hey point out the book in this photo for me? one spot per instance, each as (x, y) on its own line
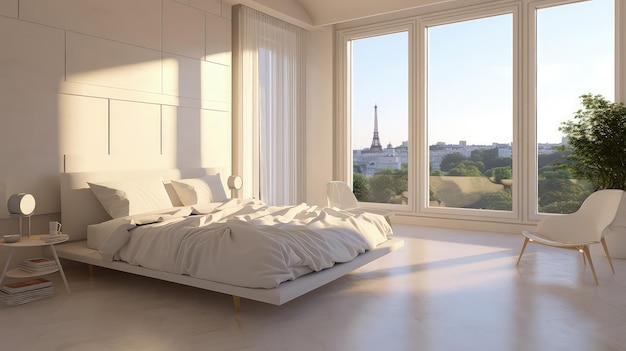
(26, 285)
(26, 296)
(37, 264)
(37, 269)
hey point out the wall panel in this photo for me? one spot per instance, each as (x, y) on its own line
(216, 132)
(181, 135)
(136, 22)
(183, 30)
(9, 8)
(109, 63)
(216, 82)
(218, 40)
(135, 131)
(182, 76)
(196, 137)
(83, 125)
(210, 6)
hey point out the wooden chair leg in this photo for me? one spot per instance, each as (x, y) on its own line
(606, 251)
(588, 254)
(237, 303)
(522, 252)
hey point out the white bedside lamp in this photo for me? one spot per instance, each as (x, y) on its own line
(234, 183)
(21, 205)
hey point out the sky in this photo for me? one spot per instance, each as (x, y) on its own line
(470, 76)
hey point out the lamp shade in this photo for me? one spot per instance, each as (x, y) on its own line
(21, 204)
(235, 182)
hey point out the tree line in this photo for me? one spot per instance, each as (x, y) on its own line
(558, 190)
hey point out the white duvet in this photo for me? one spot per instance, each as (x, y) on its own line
(244, 242)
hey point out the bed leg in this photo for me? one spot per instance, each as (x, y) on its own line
(237, 303)
(90, 270)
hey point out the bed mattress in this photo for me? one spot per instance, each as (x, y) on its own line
(240, 242)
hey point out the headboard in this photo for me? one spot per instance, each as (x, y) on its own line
(80, 207)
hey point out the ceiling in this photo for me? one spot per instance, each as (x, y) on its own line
(324, 12)
(310, 14)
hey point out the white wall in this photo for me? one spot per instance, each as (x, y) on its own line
(319, 114)
(111, 84)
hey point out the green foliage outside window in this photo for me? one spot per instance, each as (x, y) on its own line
(597, 141)
(360, 187)
(558, 191)
(386, 186)
(450, 161)
(501, 200)
(466, 169)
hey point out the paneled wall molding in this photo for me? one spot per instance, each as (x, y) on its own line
(115, 83)
(117, 19)
(71, 88)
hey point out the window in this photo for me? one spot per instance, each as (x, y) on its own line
(488, 88)
(575, 56)
(380, 76)
(470, 113)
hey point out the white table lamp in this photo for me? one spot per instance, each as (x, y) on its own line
(234, 183)
(22, 205)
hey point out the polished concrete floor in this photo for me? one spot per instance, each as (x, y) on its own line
(445, 290)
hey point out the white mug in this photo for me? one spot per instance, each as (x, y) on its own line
(54, 228)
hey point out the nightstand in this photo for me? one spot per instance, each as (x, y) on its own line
(32, 241)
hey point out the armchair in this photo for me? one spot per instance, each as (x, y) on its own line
(578, 230)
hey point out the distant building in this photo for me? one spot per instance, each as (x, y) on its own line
(547, 148)
(440, 150)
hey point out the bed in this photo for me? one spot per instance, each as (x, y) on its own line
(98, 240)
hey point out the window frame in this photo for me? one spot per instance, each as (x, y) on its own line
(456, 17)
(531, 19)
(342, 165)
(525, 207)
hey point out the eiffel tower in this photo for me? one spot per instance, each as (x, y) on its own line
(376, 147)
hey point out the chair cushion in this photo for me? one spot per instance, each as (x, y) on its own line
(543, 240)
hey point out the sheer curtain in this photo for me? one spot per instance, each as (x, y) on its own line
(268, 106)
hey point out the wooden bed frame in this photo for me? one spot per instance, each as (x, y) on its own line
(80, 208)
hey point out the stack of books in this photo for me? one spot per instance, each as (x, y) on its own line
(26, 291)
(37, 265)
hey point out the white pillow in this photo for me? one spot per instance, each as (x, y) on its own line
(129, 197)
(199, 191)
